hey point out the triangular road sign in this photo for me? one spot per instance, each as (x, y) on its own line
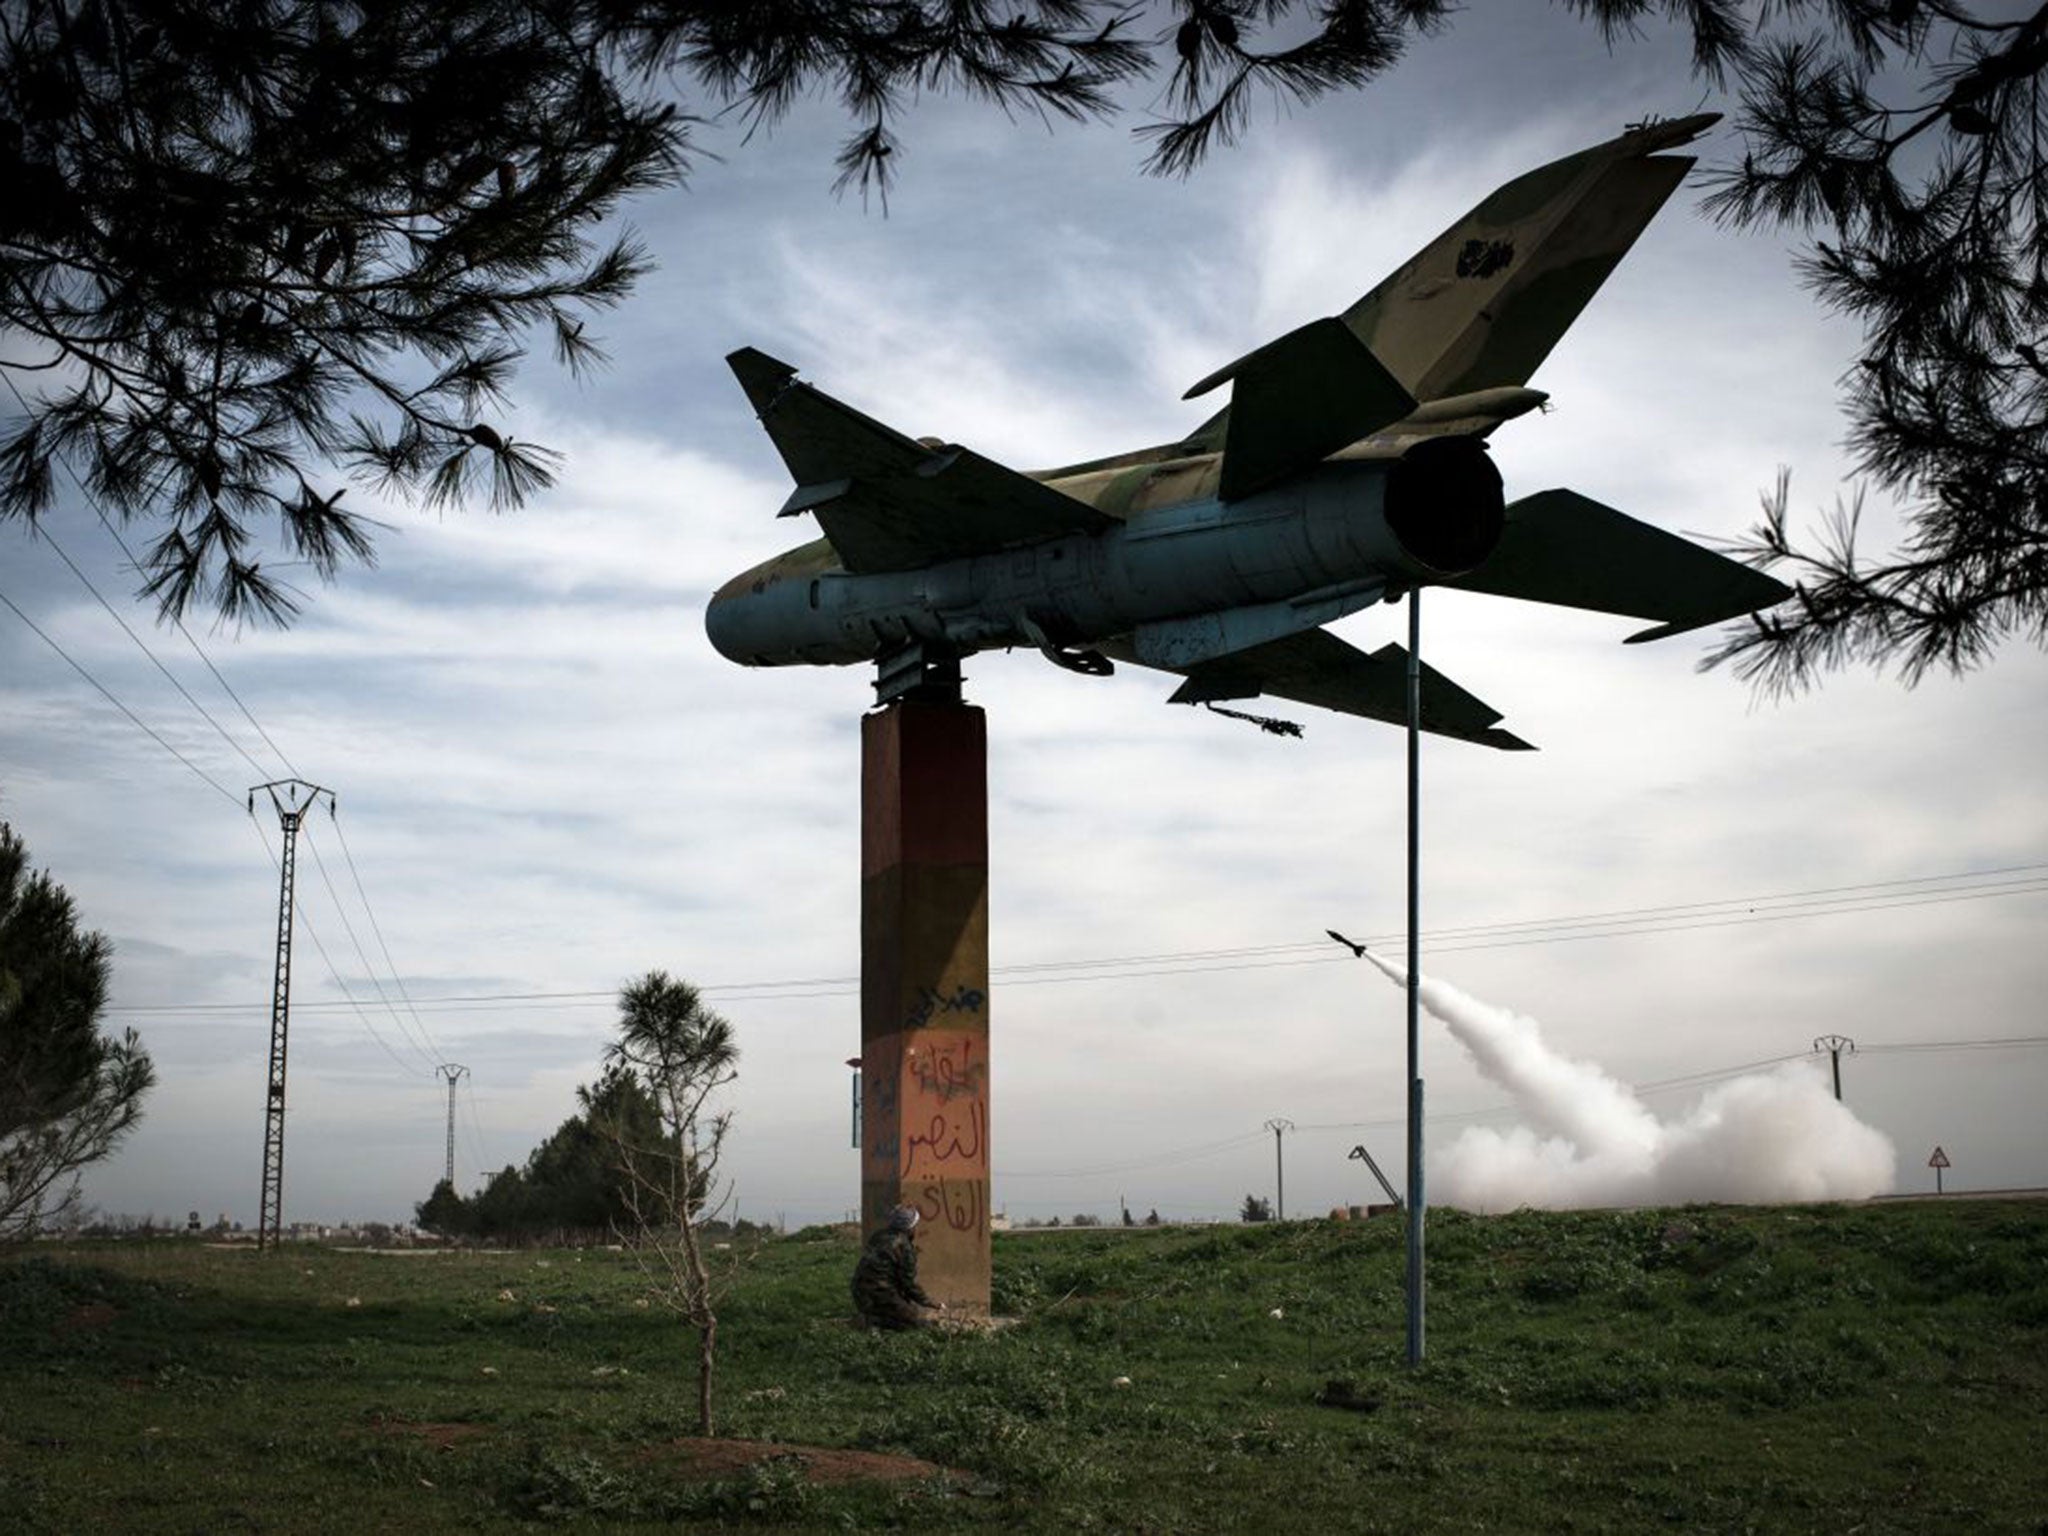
(1939, 1160)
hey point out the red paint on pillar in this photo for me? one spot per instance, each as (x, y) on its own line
(924, 986)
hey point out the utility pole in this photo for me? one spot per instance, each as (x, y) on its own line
(1416, 1198)
(1834, 1045)
(1278, 1126)
(452, 1072)
(291, 798)
(854, 1062)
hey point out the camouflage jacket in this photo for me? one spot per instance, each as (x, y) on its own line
(886, 1277)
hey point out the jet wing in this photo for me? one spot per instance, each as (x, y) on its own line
(889, 502)
(1315, 667)
(1564, 548)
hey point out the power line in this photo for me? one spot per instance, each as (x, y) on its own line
(376, 928)
(2016, 888)
(1205, 1150)
(79, 668)
(1154, 1160)
(2005, 1043)
(1697, 1079)
(327, 960)
(1786, 898)
(62, 554)
(369, 969)
(143, 646)
(105, 522)
(476, 1130)
(1106, 969)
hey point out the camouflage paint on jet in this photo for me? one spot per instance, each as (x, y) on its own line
(1350, 466)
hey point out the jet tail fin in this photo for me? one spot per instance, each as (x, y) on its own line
(1480, 306)
(1563, 548)
(1483, 304)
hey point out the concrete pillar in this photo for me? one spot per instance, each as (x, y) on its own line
(924, 986)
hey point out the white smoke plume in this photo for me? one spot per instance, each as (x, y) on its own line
(1768, 1138)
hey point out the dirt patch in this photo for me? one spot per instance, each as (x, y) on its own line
(442, 1437)
(700, 1460)
(710, 1460)
(86, 1317)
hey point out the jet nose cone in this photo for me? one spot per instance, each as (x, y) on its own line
(725, 621)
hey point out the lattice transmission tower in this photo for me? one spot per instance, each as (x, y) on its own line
(453, 1073)
(292, 798)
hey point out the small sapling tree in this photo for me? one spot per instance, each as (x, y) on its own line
(682, 1054)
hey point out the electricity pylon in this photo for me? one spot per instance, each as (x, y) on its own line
(1834, 1045)
(453, 1073)
(292, 798)
(1277, 1126)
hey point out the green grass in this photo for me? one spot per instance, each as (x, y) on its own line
(1833, 1369)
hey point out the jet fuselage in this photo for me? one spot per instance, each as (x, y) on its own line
(1171, 585)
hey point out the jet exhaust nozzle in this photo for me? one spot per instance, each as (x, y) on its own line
(1444, 504)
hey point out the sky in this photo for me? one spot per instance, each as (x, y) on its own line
(548, 783)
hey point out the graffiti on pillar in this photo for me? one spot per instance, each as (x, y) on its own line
(947, 1139)
(958, 1205)
(962, 1204)
(945, 1105)
(931, 1002)
(944, 1065)
(878, 1091)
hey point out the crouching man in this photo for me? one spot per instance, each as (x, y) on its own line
(885, 1289)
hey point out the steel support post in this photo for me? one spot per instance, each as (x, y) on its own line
(1416, 1271)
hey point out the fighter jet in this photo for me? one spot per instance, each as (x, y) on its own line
(1350, 467)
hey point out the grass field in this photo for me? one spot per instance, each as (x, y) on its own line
(1838, 1369)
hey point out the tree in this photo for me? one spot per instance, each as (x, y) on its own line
(256, 239)
(682, 1054)
(68, 1094)
(1903, 139)
(444, 1212)
(574, 1179)
(1928, 224)
(503, 1207)
(249, 246)
(572, 1182)
(1255, 1209)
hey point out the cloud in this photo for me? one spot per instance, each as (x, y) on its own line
(550, 783)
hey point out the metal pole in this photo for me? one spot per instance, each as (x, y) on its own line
(1276, 1126)
(1393, 1194)
(1834, 1045)
(1415, 1191)
(452, 1072)
(854, 1062)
